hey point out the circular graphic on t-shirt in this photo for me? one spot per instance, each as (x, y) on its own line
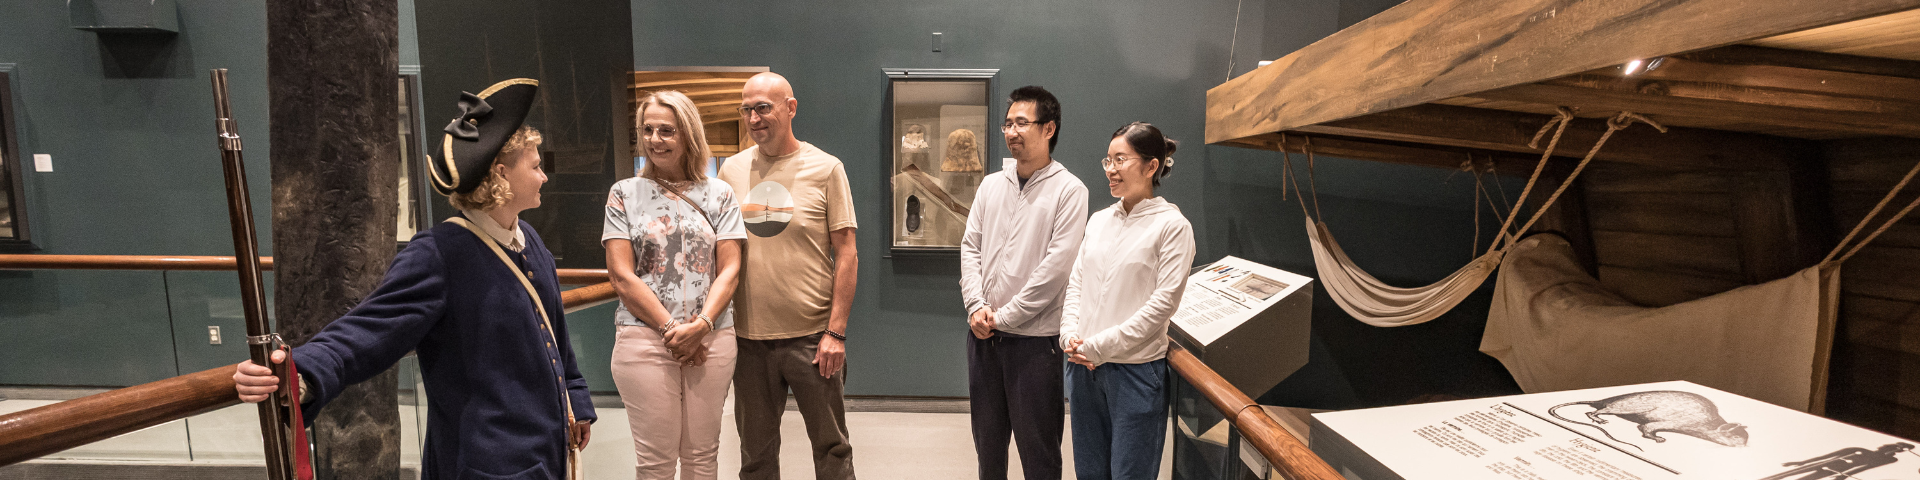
(767, 210)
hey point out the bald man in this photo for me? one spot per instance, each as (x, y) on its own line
(796, 286)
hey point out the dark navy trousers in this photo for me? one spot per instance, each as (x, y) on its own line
(1119, 419)
(1015, 389)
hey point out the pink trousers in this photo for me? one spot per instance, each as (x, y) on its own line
(673, 410)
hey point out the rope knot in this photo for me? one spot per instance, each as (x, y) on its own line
(1561, 117)
(1625, 119)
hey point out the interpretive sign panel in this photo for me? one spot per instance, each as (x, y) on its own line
(1249, 322)
(1228, 293)
(1666, 430)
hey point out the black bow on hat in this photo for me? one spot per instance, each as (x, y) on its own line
(474, 138)
(472, 110)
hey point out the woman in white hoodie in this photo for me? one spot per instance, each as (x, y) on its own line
(1124, 289)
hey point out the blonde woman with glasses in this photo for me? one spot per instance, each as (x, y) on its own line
(673, 238)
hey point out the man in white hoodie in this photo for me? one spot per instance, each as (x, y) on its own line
(1018, 251)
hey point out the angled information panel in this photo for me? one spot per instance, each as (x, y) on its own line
(1249, 322)
(1665, 430)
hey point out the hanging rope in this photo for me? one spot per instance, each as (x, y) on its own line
(1869, 218)
(1287, 177)
(1473, 249)
(1615, 124)
(1312, 181)
(1494, 169)
(1562, 117)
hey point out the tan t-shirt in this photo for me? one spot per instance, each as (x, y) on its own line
(789, 203)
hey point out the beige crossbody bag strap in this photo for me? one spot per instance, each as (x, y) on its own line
(573, 454)
(683, 198)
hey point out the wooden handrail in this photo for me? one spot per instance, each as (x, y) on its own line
(37, 432)
(588, 296)
(122, 262)
(583, 276)
(1287, 454)
(568, 276)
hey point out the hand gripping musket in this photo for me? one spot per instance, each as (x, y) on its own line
(275, 413)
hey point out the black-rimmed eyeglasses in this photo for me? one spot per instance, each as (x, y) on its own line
(761, 109)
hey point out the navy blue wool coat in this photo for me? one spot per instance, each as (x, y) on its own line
(495, 384)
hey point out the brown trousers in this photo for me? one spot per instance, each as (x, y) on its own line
(763, 373)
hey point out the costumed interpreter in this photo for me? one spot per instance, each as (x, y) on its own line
(478, 299)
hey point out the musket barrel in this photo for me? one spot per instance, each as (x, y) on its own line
(273, 413)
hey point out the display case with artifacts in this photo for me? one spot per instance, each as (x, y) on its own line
(14, 235)
(939, 118)
(915, 141)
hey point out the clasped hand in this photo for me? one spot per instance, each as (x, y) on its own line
(982, 323)
(1075, 355)
(686, 343)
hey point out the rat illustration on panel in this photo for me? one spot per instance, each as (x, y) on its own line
(1662, 411)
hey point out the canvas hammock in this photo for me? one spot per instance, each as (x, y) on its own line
(1376, 303)
(1555, 328)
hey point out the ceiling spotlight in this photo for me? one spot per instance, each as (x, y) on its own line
(1640, 66)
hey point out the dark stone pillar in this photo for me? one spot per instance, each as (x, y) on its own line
(332, 72)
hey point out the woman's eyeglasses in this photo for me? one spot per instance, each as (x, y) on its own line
(1115, 163)
(663, 132)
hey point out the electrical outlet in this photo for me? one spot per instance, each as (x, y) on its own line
(213, 334)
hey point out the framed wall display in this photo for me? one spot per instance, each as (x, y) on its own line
(14, 234)
(415, 207)
(940, 134)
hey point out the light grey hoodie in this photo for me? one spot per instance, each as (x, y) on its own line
(1127, 282)
(1020, 245)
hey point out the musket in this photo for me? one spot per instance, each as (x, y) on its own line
(261, 341)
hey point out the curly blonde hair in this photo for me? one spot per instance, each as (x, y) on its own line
(494, 190)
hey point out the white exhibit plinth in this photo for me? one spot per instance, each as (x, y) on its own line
(1248, 322)
(1604, 434)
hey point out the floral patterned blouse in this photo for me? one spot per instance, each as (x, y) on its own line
(673, 248)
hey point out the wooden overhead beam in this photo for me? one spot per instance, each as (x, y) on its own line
(1427, 50)
(1504, 131)
(1782, 78)
(1833, 62)
(1719, 102)
(1385, 151)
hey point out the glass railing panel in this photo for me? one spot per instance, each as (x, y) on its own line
(84, 328)
(1201, 436)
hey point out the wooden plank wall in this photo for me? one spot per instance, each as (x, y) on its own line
(1663, 236)
(1877, 345)
(1668, 235)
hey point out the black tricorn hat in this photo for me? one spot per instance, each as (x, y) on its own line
(485, 123)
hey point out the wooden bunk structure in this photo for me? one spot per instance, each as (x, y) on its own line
(1788, 122)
